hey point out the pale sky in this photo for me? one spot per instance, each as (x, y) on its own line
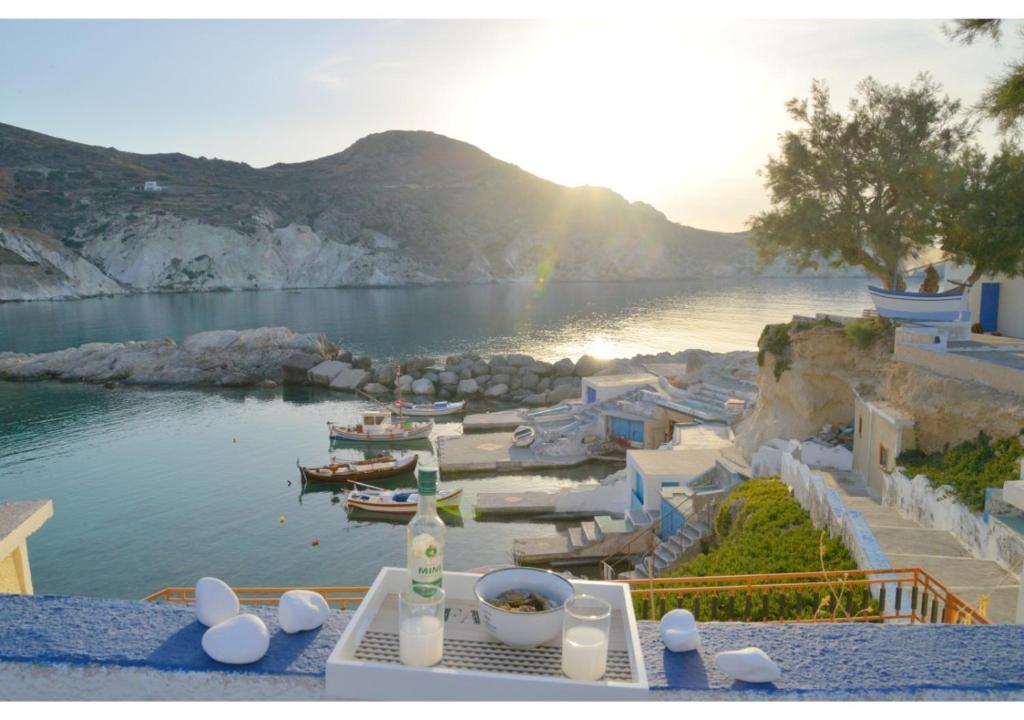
(678, 113)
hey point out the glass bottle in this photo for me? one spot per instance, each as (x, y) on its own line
(425, 538)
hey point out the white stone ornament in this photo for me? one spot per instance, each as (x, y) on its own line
(749, 664)
(300, 610)
(679, 631)
(215, 601)
(239, 640)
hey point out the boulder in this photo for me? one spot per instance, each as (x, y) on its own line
(589, 365)
(299, 610)
(350, 379)
(496, 390)
(482, 380)
(544, 385)
(465, 374)
(502, 378)
(562, 393)
(528, 380)
(536, 399)
(432, 376)
(498, 360)
(467, 387)
(506, 369)
(210, 341)
(564, 367)
(519, 360)
(570, 381)
(404, 382)
(240, 640)
(449, 378)
(215, 601)
(296, 368)
(445, 393)
(416, 364)
(376, 389)
(539, 367)
(387, 373)
(480, 367)
(423, 386)
(452, 361)
(323, 373)
(345, 357)
(238, 379)
(363, 363)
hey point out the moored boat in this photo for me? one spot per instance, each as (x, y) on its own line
(375, 468)
(928, 307)
(378, 426)
(523, 436)
(397, 502)
(435, 409)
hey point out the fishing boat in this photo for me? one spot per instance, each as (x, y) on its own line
(378, 426)
(397, 502)
(435, 409)
(376, 468)
(523, 436)
(935, 307)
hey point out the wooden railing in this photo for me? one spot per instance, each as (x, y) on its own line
(341, 597)
(904, 594)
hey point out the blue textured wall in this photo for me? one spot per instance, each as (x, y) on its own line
(831, 660)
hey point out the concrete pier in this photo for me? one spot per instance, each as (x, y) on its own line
(494, 421)
(494, 452)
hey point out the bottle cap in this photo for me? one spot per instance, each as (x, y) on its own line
(426, 481)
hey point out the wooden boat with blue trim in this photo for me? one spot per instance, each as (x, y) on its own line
(434, 409)
(925, 307)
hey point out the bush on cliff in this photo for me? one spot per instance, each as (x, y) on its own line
(761, 529)
(969, 468)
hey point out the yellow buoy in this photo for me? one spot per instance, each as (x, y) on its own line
(281, 519)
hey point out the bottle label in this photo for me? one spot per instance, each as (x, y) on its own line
(426, 564)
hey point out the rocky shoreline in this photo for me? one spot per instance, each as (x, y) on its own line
(267, 357)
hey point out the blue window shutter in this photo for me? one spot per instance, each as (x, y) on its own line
(591, 395)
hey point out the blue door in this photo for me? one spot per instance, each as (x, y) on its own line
(638, 491)
(591, 395)
(632, 430)
(988, 314)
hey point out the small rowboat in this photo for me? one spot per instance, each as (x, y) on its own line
(523, 436)
(397, 502)
(935, 307)
(379, 427)
(436, 409)
(360, 470)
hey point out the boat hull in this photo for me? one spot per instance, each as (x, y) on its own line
(399, 467)
(404, 508)
(428, 410)
(925, 307)
(420, 432)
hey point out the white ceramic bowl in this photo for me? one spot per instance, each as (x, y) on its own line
(522, 629)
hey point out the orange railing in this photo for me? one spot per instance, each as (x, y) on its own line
(341, 597)
(903, 594)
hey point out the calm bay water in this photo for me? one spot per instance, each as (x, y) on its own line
(159, 487)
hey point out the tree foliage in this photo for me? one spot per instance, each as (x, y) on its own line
(982, 217)
(860, 189)
(1003, 101)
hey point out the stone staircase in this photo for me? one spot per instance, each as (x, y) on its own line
(671, 550)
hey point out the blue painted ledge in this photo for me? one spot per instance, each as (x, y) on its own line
(837, 660)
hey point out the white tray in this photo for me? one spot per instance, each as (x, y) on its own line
(364, 664)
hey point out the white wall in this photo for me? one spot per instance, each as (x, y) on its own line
(818, 455)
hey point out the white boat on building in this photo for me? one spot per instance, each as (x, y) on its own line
(936, 307)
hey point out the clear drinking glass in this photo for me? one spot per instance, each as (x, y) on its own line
(421, 628)
(585, 628)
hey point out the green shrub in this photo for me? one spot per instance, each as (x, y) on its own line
(761, 530)
(969, 468)
(775, 340)
(865, 333)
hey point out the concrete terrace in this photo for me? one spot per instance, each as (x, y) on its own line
(938, 552)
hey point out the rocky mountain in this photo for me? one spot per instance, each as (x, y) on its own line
(395, 208)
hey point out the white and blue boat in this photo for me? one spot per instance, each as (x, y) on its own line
(946, 306)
